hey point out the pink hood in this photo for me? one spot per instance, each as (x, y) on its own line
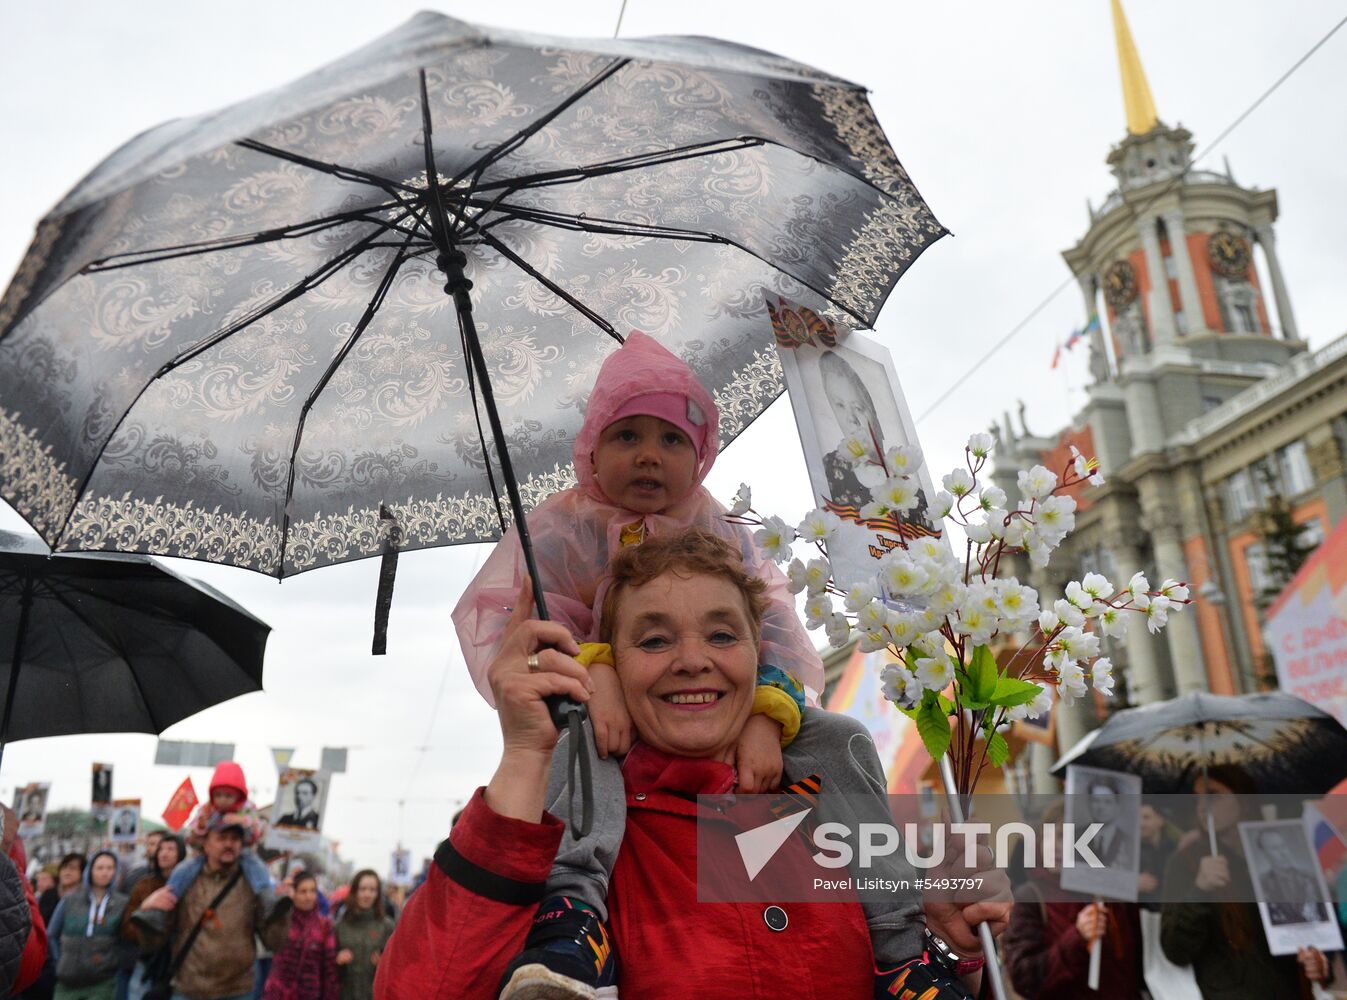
(640, 366)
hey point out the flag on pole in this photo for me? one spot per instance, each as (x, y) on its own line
(1056, 356)
(282, 755)
(181, 805)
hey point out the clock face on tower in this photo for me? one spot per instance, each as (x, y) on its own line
(1229, 254)
(1120, 284)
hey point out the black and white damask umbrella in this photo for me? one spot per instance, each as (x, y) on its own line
(232, 342)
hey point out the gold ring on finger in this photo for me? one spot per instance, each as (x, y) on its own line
(534, 666)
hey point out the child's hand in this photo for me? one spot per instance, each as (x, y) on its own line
(608, 712)
(757, 757)
(345, 956)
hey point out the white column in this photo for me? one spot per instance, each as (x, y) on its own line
(1143, 414)
(1178, 248)
(1160, 307)
(1185, 648)
(1268, 241)
(1099, 366)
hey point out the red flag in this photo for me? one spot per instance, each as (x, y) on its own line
(181, 805)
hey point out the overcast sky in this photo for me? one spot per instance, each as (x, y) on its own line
(1003, 115)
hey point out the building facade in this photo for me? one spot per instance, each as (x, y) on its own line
(1206, 407)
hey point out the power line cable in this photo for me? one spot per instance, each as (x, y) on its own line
(620, 14)
(1169, 186)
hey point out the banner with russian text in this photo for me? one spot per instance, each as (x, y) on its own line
(1306, 628)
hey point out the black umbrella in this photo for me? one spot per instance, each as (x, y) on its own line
(114, 643)
(1284, 744)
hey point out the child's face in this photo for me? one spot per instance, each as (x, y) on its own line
(644, 464)
(224, 799)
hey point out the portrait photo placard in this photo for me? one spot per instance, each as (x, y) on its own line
(400, 867)
(850, 388)
(1113, 800)
(1292, 896)
(297, 814)
(100, 792)
(30, 805)
(124, 821)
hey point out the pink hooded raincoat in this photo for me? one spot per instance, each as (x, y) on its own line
(576, 531)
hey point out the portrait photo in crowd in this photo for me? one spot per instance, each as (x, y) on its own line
(100, 794)
(1293, 898)
(400, 867)
(297, 814)
(124, 821)
(850, 389)
(1113, 800)
(30, 805)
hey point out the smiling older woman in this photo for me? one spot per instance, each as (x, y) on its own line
(683, 618)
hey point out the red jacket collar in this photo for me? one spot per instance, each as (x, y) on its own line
(647, 769)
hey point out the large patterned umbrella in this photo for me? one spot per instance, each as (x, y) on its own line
(1286, 745)
(232, 340)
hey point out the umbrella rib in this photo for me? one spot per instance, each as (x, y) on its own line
(311, 280)
(366, 318)
(334, 169)
(552, 286)
(157, 254)
(509, 145)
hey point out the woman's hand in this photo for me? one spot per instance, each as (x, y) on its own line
(757, 755)
(536, 661)
(1212, 873)
(1147, 883)
(1092, 922)
(1314, 963)
(608, 712)
(345, 956)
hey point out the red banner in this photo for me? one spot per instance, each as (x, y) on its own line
(180, 807)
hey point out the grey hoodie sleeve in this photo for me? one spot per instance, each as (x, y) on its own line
(16, 923)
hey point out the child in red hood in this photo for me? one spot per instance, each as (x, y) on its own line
(649, 438)
(227, 805)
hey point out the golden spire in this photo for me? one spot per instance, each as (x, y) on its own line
(1141, 117)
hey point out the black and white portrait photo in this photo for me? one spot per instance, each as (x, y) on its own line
(124, 821)
(851, 390)
(1290, 887)
(1112, 801)
(297, 815)
(30, 805)
(101, 792)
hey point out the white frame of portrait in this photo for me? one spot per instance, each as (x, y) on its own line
(816, 423)
(296, 838)
(1114, 882)
(115, 809)
(400, 874)
(1287, 939)
(32, 828)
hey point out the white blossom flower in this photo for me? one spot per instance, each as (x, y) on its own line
(857, 450)
(902, 628)
(900, 687)
(819, 525)
(873, 615)
(900, 574)
(869, 475)
(980, 445)
(929, 644)
(1138, 587)
(1017, 602)
(1071, 683)
(991, 498)
(902, 459)
(1113, 622)
(1175, 591)
(818, 609)
(1040, 706)
(1157, 616)
(959, 482)
(860, 595)
(1036, 483)
(1097, 586)
(1048, 622)
(1056, 516)
(1077, 596)
(898, 493)
(1078, 644)
(978, 532)
(1069, 613)
(1016, 533)
(1086, 468)
(1101, 675)
(935, 673)
(797, 576)
(774, 538)
(818, 573)
(976, 622)
(839, 630)
(942, 506)
(743, 501)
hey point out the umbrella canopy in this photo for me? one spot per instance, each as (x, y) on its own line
(1286, 745)
(231, 341)
(114, 643)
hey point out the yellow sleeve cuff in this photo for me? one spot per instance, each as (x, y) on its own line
(595, 652)
(774, 703)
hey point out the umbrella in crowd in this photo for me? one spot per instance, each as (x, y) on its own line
(1286, 745)
(114, 643)
(232, 340)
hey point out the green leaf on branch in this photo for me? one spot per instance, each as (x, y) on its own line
(933, 725)
(1010, 691)
(982, 675)
(998, 750)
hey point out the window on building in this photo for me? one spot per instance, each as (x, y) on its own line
(1210, 403)
(1260, 580)
(1242, 319)
(1293, 464)
(1240, 499)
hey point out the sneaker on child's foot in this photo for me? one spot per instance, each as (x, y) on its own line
(567, 956)
(917, 980)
